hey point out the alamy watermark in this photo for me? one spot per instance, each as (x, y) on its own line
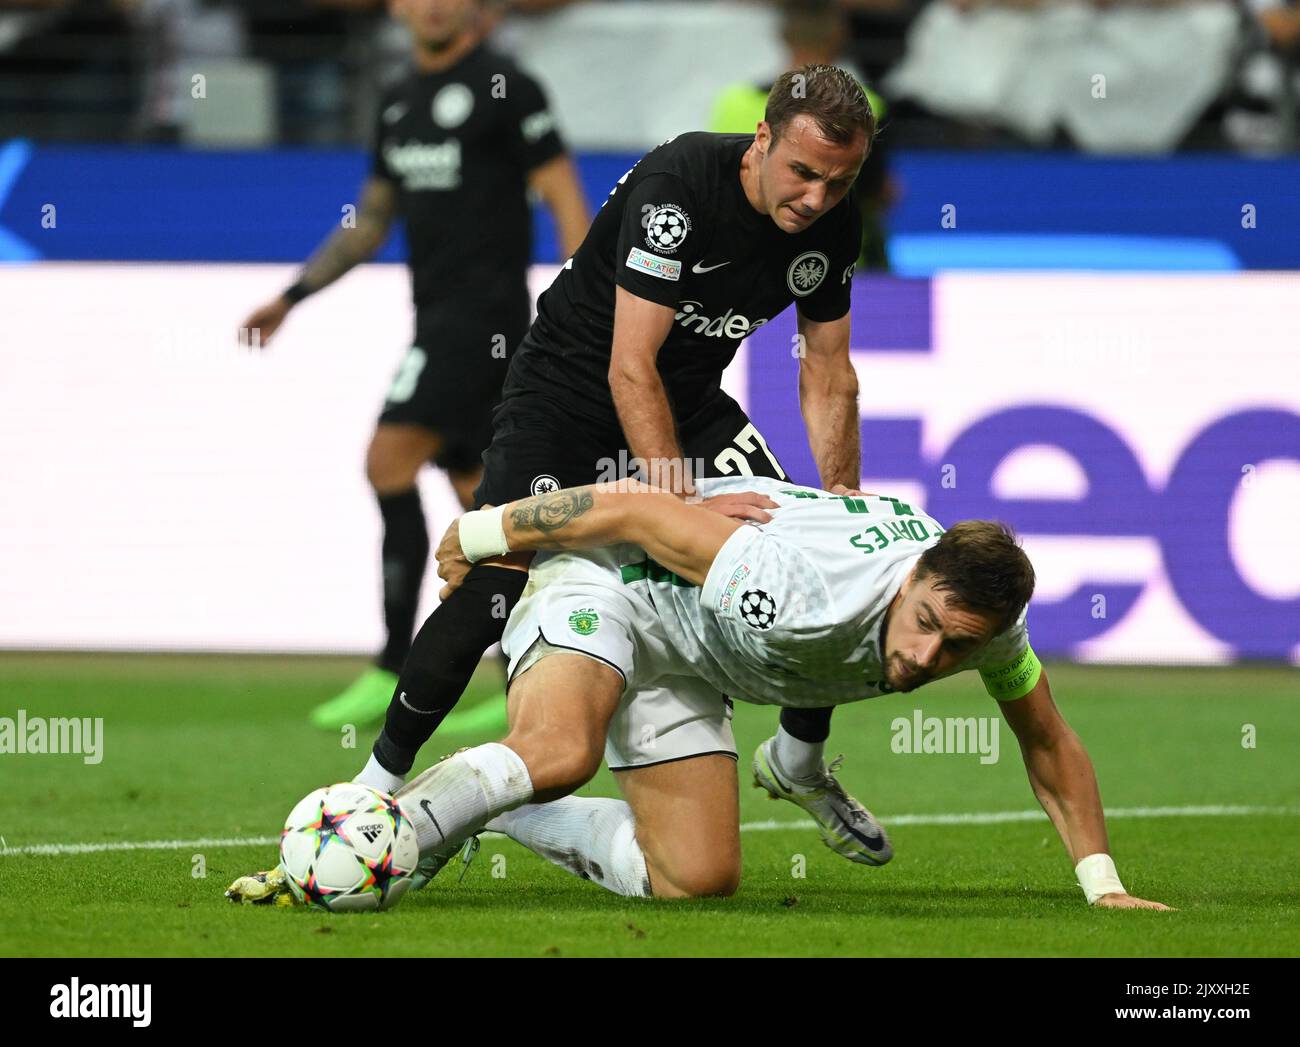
(669, 474)
(75, 1000)
(79, 735)
(951, 734)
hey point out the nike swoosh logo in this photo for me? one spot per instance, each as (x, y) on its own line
(875, 842)
(697, 268)
(427, 808)
(776, 778)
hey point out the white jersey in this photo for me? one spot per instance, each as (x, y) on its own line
(791, 611)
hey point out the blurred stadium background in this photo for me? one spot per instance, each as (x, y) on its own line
(1079, 312)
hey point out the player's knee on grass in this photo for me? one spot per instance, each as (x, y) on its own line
(687, 824)
(679, 872)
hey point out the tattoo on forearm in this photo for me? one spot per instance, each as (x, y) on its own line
(549, 513)
(348, 245)
(338, 254)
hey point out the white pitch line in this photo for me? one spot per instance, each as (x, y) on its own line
(1000, 817)
(54, 849)
(974, 818)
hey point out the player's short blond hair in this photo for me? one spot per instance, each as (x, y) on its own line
(832, 97)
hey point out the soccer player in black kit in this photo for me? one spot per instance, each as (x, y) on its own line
(459, 143)
(706, 239)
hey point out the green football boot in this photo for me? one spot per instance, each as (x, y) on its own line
(364, 701)
(485, 717)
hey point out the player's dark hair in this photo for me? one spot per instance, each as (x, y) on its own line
(831, 96)
(980, 565)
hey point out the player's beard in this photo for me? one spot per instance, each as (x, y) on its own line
(909, 677)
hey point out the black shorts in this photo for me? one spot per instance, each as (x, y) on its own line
(449, 381)
(538, 447)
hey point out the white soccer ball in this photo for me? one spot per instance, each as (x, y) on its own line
(348, 848)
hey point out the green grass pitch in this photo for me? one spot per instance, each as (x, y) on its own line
(219, 748)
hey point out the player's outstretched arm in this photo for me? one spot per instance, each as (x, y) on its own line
(1063, 779)
(683, 537)
(347, 246)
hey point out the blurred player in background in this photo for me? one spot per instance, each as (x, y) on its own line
(460, 143)
(815, 32)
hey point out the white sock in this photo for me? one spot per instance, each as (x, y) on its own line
(591, 837)
(454, 799)
(375, 775)
(799, 760)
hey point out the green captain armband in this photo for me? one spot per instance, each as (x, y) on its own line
(1014, 679)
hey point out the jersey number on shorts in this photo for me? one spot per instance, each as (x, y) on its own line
(749, 440)
(408, 375)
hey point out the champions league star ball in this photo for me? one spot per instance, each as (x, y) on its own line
(667, 228)
(348, 848)
(758, 609)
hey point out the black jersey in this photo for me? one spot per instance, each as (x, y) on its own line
(459, 144)
(679, 230)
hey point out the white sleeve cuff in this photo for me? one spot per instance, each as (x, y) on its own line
(1097, 876)
(483, 534)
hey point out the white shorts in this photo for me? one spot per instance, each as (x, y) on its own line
(577, 603)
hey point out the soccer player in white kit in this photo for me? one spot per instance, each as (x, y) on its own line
(633, 647)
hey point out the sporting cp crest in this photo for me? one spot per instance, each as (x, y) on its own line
(584, 621)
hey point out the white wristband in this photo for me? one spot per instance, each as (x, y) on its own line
(1097, 876)
(483, 534)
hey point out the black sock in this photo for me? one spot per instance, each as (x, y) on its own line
(405, 554)
(808, 725)
(446, 651)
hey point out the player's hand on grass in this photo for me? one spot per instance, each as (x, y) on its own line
(740, 505)
(452, 565)
(266, 320)
(1127, 901)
